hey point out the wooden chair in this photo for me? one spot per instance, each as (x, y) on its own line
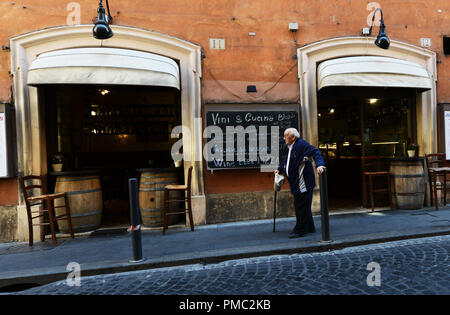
(46, 201)
(371, 168)
(186, 190)
(436, 169)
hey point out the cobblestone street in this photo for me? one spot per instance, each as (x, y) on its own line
(419, 266)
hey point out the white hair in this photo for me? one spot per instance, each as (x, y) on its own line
(293, 131)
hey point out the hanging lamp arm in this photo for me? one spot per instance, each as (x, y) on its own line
(109, 17)
(109, 13)
(373, 19)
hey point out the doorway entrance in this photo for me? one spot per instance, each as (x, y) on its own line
(114, 130)
(358, 121)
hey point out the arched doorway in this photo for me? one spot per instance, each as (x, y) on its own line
(311, 56)
(32, 155)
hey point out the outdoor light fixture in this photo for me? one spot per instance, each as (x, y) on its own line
(382, 40)
(101, 28)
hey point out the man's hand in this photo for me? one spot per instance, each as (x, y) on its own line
(320, 169)
(276, 171)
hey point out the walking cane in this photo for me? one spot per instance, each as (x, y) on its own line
(279, 181)
(274, 209)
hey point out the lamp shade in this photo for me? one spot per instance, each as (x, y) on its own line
(102, 31)
(382, 40)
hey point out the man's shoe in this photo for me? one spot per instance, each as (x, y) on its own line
(296, 235)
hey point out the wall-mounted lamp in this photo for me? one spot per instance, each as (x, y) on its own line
(101, 28)
(382, 40)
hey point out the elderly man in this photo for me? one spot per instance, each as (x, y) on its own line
(300, 174)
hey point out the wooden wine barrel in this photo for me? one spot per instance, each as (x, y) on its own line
(408, 182)
(151, 195)
(85, 200)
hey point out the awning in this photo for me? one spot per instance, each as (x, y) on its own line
(103, 66)
(371, 71)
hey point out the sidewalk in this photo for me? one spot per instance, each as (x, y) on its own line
(100, 254)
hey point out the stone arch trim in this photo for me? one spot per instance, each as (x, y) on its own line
(25, 48)
(311, 55)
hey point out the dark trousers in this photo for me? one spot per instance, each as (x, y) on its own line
(302, 203)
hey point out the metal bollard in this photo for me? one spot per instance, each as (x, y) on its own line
(135, 217)
(324, 207)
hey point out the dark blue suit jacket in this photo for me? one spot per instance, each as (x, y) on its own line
(301, 149)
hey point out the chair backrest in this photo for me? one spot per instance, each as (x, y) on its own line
(27, 184)
(435, 160)
(370, 163)
(189, 178)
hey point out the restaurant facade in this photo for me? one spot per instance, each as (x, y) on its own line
(175, 73)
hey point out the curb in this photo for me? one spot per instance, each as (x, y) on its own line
(46, 276)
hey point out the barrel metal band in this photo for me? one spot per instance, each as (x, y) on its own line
(85, 214)
(158, 183)
(151, 209)
(152, 189)
(153, 223)
(407, 175)
(159, 217)
(82, 191)
(409, 194)
(75, 179)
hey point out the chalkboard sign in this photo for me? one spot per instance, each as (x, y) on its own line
(245, 138)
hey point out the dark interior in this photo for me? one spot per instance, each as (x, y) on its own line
(113, 129)
(355, 122)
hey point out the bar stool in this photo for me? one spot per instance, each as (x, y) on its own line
(436, 169)
(48, 207)
(186, 190)
(374, 162)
